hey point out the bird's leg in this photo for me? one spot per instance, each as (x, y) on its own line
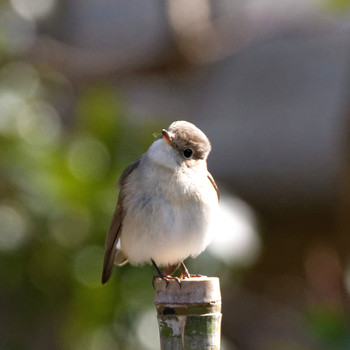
(165, 278)
(185, 273)
(171, 269)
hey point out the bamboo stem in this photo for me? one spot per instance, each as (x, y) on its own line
(189, 317)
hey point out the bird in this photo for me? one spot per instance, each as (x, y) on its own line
(166, 207)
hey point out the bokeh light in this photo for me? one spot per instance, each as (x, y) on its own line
(236, 239)
(88, 265)
(39, 124)
(33, 10)
(101, 339)
(13, 230)
(20, 77)
(88, 159)
(10, 104)
(17, 34)
(69, 228)
(147, 329)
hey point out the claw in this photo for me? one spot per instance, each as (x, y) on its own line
(177, 280)
(165, 279)
(162, 277)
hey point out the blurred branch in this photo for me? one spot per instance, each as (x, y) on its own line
(81, 63)
(198, 38)
(203, 38)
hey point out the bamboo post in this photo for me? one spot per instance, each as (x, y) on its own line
(189, 317)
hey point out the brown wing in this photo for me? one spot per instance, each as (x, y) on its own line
(116, 225)
(211, 179)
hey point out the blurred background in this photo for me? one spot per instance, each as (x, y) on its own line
(85, 84)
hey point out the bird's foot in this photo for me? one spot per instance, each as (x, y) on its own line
(166, 279)
(161, 275)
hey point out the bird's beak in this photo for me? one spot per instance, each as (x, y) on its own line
(167, 138)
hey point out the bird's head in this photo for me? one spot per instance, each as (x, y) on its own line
(182, 144)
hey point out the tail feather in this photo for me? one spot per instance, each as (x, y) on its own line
(107, 271)
(108, 264)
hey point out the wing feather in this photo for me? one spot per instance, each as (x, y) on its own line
(116, 225)
(211, 179)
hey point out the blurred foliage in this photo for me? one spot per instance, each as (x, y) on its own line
(58, 191)
(330, 324)
(337, 5)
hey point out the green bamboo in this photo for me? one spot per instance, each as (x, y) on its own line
(189, 317)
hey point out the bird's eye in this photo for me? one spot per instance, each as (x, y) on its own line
(188, 153)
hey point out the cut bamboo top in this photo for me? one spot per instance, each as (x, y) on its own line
(193, 290)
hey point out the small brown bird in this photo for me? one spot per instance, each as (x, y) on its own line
(166, 204)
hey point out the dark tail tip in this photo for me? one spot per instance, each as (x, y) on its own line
(107, 266)
(105, 276)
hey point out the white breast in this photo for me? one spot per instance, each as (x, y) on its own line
(168, 214)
